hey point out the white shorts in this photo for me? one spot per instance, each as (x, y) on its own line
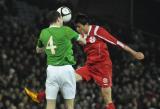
(60, 78)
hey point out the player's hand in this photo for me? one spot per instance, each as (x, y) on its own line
(138, 55)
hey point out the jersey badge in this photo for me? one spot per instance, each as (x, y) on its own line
(105, 81)
(92, 39)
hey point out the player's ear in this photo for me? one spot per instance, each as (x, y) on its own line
(58, 20)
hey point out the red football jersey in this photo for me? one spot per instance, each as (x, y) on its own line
(96, 48)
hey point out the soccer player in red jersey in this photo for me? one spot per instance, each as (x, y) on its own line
(98, 65)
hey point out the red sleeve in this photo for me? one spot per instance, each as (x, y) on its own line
(106, 36)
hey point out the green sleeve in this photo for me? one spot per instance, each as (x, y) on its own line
(39, 42)
(71, 34)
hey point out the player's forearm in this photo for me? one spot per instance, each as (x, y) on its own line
(135, 54)
(129, 50)
(39, 50)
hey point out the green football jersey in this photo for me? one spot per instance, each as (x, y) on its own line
(58, 45)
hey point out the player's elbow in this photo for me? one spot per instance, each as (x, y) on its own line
(39, 50)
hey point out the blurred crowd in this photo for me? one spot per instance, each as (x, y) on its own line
(136, 85)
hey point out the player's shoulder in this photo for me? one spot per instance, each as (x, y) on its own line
(99, 28)
(66, 27)
(44, 30)
(96, 28)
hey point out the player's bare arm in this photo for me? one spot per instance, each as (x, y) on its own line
(135, 54)
(39, 50)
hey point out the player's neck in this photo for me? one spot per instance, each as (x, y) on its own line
(55, 25)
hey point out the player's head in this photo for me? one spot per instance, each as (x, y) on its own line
(54, 17)
(82, 23)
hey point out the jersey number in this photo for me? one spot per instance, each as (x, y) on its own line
(50, 45)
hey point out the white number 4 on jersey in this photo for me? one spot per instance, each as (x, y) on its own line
(50, 45)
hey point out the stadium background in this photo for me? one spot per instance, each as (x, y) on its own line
(135, 22)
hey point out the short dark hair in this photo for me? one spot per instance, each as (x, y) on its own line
(52, 16)
(81, 18)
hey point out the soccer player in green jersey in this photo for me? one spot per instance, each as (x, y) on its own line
(55, 41)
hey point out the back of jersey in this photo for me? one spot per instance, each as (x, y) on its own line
(57, 44)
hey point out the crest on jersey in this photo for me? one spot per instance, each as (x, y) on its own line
(105, 81)
(92, 39)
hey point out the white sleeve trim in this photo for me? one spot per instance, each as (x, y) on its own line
(120, 44)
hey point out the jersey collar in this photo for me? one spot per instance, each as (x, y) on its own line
(54, 26)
